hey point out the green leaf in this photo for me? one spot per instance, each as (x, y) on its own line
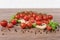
(34, 25)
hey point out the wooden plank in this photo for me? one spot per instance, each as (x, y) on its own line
(12, 35)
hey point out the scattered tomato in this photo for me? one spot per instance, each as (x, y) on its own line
(50, 16)
(17, 16)
(38, 18)
(10, 25)
(38, 22)
(23, 25)
(29, 25)
(26, 18)
(49, 28)
(3, 23)
(45, 17)
(32, 19)
(14, 21)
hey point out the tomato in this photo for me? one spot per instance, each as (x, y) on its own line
(17, 16)
(47, 22)
(3, 23)
(23, 25)
(38, 18)
(26, 18)
(33, 15)
(45, 17)
(14, 21)
(29, 24)
(49, 28)
(50, 16)
(32, 19)
(38, 22)
(22, 15)
(10, 25)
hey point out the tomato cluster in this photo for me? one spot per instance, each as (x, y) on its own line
(29, 17)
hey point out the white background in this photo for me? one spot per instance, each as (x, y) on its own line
(29, 3)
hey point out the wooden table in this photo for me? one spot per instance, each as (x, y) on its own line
(19, 35)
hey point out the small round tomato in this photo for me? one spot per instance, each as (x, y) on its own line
(26, 18)
(50, 17)
(49, 28)
(23, 25)
(45, 17)
(38, 22)
(10, 25)
(32, 19)
(14, 21)
(17, 16)
(29, 25)
(33, 15)
(46, 22)
(38, 18)
(3, 23)
(22, 15)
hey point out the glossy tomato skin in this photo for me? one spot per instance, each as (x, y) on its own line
(26, 18)
(32, 20)
(29, 25)
(17, 16)
(23, 25)
(38, 18)
(10, 25)
(22, 15)
(33, 15)
(45, 17)
(38, 22)
(46, 22)
(3, 23)
(49, 28)
(14, 21)
(50, 16)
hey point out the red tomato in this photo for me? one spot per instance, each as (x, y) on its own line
(47, 22)
(3, 23)
(38, 18)
(45, 17)
(38, 22)
(29, 24)
(50, 16)
(33, 15)
(49, 28)
(26, 18)
(23, 25)
(10, 25)
(32, 19)
(22, 15)
(14, 21)
(17, 16)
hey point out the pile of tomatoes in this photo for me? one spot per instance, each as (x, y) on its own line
(29, 19)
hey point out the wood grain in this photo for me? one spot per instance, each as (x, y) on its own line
(12, 35)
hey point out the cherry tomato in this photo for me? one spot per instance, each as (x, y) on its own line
(38, 18)
(49, 28)
(17, 16)
(14, 21)
(38, 22)
(29, 25)
(22, 15)
(10, 25)
(33, 15)
(32, 19)
(3, 23)
(26, 18)
(23, 25)
(45, 17)
(47, 22)
(50, 16)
